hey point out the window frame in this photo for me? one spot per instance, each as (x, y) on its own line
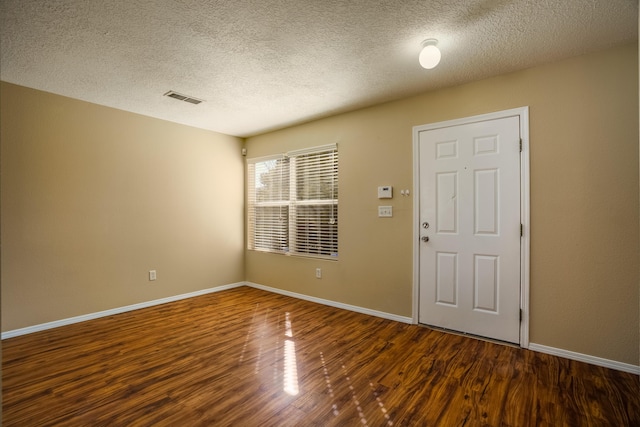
(312, 228)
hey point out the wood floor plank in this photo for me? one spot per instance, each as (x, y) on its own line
(245, 357)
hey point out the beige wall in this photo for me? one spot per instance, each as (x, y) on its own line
(584, 199)
(93, 198)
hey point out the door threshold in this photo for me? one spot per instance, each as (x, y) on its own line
(466, 334)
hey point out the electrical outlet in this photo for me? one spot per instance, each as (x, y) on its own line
(152, 275)
(318, 273)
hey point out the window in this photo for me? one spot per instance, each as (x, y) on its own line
(293, 203)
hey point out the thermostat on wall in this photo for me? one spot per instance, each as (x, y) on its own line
(385, 192)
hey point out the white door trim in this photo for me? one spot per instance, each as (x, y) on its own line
(523, 114)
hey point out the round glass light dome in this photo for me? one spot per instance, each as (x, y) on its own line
(429, 57)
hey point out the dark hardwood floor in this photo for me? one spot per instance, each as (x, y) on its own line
(245, 357)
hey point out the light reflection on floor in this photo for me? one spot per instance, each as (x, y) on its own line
(356, 402)
(327, 380)
(246, 340)
(277, 356)
(381, 404)
(290, 366)
(263, 331)
(282, 357)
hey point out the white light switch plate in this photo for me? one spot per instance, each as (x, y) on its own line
(385, 211)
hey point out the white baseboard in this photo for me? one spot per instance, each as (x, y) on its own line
(357, 309)
(598, 361)
(91, 316)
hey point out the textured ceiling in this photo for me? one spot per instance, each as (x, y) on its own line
(262, 65)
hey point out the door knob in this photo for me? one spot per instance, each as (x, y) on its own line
(425, 238)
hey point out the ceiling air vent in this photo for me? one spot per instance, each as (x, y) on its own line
(181, 97)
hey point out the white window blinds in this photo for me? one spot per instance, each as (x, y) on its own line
(293, 203)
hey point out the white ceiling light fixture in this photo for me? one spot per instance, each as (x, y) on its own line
(430, 54)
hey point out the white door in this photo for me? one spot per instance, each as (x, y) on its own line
(469, 209)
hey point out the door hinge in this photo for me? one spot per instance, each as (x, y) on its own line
(521, 145)
(521, 315)
(521, 230)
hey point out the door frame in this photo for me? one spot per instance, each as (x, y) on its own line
(523, 114)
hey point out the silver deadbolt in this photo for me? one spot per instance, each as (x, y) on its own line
(425, 225)
(425, 238)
